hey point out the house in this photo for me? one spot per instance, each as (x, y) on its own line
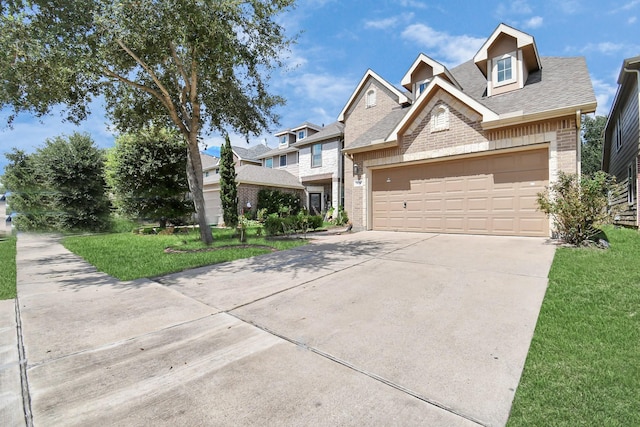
(313, 154)
(466, 149)
(621, 148)
(250, 179)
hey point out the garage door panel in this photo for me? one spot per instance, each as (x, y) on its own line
(493, 194)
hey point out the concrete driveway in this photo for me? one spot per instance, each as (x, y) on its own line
(370, 328)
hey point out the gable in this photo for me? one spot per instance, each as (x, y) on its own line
(370, 75)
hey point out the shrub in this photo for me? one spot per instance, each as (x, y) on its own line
(577, 206)
(342, 218)
(315, 222)
(273, 225)
(275, 201)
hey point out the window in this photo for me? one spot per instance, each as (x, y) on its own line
(268, 163)
(302, 134)
(371, 98)
(421, 87)
(504, 69)
(440, 119)
(206, 174)
(284, 139)
(631, 185)
(618, 134)
(316, 155)
(283, 160)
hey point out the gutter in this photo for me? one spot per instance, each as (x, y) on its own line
(518, 118)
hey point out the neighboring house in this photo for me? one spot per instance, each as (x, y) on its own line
(621, 150)
(250, 179)
(313, 155)
(465, 150)
(5, 226)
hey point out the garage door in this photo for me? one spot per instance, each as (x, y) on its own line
(481, 195)
(212, 206)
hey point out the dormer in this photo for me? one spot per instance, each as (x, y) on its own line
(506, 59)
(304, 130)
(422, 72)
(285, 138)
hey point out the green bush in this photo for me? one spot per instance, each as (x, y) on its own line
(278, 202)
(315, 222)
(577, 206)
(273, 225)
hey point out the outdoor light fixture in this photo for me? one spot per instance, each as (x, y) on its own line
(356, 170)
(388, 179)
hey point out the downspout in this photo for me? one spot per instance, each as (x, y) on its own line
(579, 143)
(630, 70)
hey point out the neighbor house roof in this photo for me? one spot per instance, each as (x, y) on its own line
(208, 161)
(251, 153)
(258, 175)
(333, 130)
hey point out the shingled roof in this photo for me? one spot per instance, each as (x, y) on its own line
(563, 82)
(258, 175)
(251, 153)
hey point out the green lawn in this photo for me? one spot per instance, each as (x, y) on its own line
(129, 256)
(8, 267)
(583, 367)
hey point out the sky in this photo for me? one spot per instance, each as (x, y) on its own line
(338, 40)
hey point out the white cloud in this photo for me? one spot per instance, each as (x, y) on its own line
(382, 24)
(568, 6)
(605, 92)
(607, 48)
(390, 22)
(632, 20)
(533, 22)
(413, 3)
(517, 7)
(451, 50)
(625, 7)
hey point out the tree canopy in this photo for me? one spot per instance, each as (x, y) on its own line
(59, 187)
(592, 140)
(191, 64)
(145, 171)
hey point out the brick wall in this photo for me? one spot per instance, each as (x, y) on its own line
(359, 118)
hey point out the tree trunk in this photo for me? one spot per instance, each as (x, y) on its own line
(194, 176)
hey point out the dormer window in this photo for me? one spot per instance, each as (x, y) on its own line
(371, 98)
(504, 69)
(302, 134)
(284, 139)
(421, 87)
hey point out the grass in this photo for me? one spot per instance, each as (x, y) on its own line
(583, 367)
(129, 256)
(8, 267)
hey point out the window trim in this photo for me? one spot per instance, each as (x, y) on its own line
(370, 97)
(302, 132)
(618, 134)
(440, 111)
(418, 84)
(631, 187)
(514, 64)
(313, 155)
(282, 156)
(268, 163)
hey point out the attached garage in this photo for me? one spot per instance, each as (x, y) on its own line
(489, 194)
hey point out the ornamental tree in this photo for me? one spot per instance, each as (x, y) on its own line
(228, 185)
(191, 64)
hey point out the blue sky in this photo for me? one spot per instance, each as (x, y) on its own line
(339, 40)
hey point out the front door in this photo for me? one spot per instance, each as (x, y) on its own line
(315, 203)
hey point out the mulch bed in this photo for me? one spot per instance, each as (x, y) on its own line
(217, 248)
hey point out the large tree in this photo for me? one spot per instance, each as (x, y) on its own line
(228, 185)
(592, 140)
(145, 170)
(61, 186)
(191, 64)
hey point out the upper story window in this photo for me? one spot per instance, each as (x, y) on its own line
(268, 163)
(302, 134)
(440, 119)
(283, 160)
(284, 139)
(371, 98)
(316, 155)
(504, 69)
(618, 134)
(421, 87)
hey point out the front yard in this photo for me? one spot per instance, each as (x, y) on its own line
(583, 367)
(8, 267)
(129, 256)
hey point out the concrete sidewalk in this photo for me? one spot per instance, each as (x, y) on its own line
(367, 328)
